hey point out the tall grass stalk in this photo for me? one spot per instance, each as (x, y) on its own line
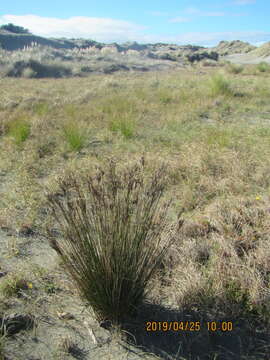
(115, 235)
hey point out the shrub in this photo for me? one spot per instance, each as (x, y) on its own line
(29, 73)
(210, 62)
(74, 135)
(40, 70)
(198, 56)
(115, 67)
(19, 129)
(114, 235)
(86, 69)
(14, 29)
(234, 68)
(263, 66)
(220, 86)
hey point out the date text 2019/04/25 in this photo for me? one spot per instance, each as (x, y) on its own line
(154, 326)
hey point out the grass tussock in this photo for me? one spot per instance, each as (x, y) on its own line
(115, 235)
(234, 68)
(74, 135)
(219, 85)
(263, 67)
(123, 125)
(19, 129)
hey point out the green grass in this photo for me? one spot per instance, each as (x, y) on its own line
(19, 129)
(123, 125)
(75, 136)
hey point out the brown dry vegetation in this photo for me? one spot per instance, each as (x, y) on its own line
(213, 132)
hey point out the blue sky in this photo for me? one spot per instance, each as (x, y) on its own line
(182, 22)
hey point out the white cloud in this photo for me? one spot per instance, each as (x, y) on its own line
(100, 29)
(179, 19)
(110, 30)
(244, 2)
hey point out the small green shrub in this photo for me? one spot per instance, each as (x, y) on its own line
(220, 86)
(19, 129)
(115, 235)
(234, 68)
(263, 66)
(74, 135)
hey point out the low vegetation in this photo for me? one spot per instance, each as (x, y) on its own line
(234, 68)
(219, 85)
(263, 67)
(210, 125)
(74, 135)
(13, 284)
(113, 227)
(14, 29)
(19, 129)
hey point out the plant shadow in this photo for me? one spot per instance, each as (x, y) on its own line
(245, 341)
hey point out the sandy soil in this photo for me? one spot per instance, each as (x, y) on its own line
(246, 59)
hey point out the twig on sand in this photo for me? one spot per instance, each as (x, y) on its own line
(91, 333)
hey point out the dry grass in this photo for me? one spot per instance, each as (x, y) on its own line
(214, 135)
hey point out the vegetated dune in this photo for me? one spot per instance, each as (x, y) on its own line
(35, 56)
(263, 50)
(254, 56)
(233, 47)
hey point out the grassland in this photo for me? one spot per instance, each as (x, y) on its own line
(211, 126)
